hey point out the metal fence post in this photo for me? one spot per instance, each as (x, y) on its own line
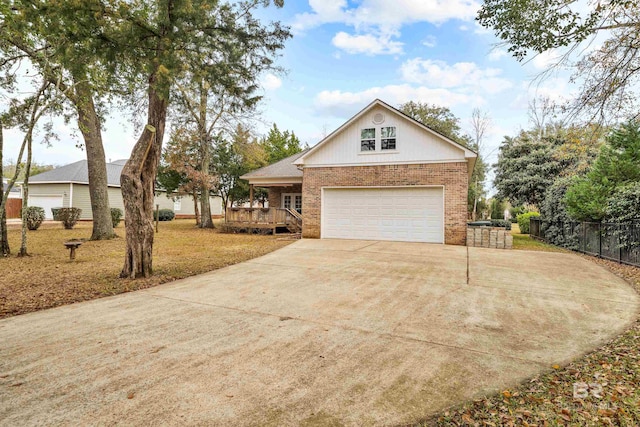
(600, 240)
(620, 243)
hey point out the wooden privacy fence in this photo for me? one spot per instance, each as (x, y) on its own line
(619, 241)
(13, 208)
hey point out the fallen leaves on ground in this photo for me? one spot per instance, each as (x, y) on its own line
(48, 278)
(608, 386)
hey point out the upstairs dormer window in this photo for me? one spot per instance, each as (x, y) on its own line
(378, 139)
(388, 135)
(368, 139)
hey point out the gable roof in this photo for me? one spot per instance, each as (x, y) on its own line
(78, 173)
(284, 168)
(469, 154)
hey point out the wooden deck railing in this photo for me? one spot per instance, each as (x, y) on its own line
(263, 218)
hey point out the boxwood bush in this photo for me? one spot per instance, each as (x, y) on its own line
(164, 215)
(68, 216)
(116, 216)
(33, 216)
(523, 221)
(501, 223)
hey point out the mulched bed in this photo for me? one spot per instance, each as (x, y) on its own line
(607, 385)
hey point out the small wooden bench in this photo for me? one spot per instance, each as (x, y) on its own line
(72, 245)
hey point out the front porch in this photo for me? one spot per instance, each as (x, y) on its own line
(262, 220)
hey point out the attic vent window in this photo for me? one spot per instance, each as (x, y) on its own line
(378, 118)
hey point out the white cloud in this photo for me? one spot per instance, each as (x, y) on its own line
(545, 59)
(384, 14)
(341, 104)
(497, 54)
(555, 89)
(271, 82)
(430, 41)
(368, 44)
(459, 75)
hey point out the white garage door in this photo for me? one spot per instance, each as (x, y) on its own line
(46, 203)
(402, 214)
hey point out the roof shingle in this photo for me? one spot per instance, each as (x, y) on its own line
(78, 172)
(280, 169)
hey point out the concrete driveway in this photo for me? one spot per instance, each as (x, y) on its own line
(318, 333)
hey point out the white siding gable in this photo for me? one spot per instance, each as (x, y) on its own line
(414, 144)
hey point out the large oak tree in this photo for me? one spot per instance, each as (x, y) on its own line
(153, 41)
(57, 40)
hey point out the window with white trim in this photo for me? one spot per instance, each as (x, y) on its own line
(177, 204)
(388, 138)
(292, 201)
(368, 139)
(378, 139)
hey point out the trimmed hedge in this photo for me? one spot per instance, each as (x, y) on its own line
(501, 223)
(68, 216)
(164, 215)
(523, 221)
(33, 216)
(116, 216)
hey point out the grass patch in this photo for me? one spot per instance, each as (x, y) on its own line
(612, 371)
(48, 278)
(526, 243)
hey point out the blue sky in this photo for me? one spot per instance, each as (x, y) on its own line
(345, 53)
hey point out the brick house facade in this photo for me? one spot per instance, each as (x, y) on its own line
(452, 176)
(380, 176)
(275, 194)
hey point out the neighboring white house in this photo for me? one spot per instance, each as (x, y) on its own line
(68, 186)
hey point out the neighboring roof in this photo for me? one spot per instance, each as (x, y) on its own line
(78, 174)
(467, 152)
(280, 169)
(14, 189)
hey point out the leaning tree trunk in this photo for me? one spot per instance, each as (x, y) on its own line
(25, 194)
(137, 184)
(5, 249)
(89, 125)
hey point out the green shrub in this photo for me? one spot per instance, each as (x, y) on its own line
(116, 216)
(55, 211)
(556, 226)
(164, 215)
(624, 203)
(515, 211)
(497, 208)
(501, 223)
(68, 216)
(586, 199)
(33, 216)
(523, 221)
